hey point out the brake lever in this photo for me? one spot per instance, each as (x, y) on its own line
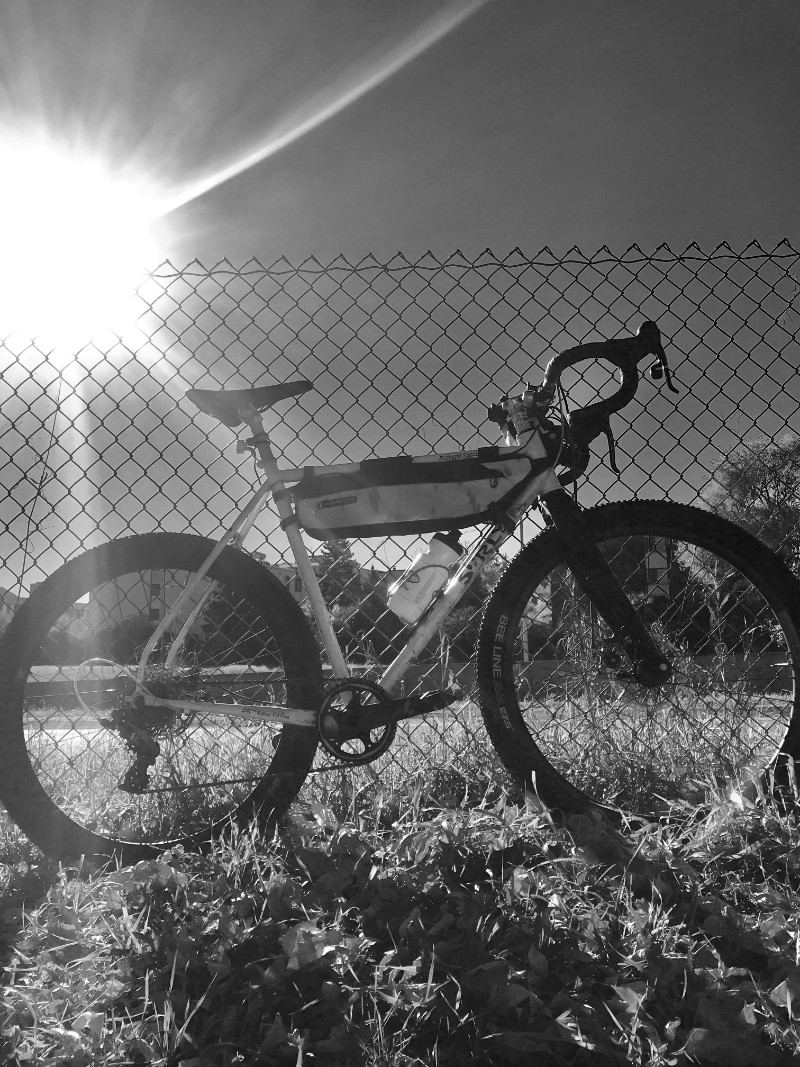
(612, 451)
(660, 369)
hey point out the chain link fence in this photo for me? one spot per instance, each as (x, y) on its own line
(404, 358)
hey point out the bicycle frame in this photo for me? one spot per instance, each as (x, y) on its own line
(468, 569)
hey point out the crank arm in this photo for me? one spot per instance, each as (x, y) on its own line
(360, 721)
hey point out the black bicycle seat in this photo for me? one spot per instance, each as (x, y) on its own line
(225, 404)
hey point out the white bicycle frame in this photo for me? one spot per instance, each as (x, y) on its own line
(472, 564)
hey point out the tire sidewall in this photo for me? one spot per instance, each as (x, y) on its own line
(22, 794)
(494, 657)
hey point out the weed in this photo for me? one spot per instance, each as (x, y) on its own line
(480, 933)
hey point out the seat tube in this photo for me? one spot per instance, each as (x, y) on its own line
(297, 545)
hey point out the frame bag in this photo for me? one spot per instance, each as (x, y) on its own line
(408, 495)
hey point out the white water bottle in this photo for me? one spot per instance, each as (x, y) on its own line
(410, 595)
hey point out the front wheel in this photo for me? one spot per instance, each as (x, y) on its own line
(558, 695)
(83, 770)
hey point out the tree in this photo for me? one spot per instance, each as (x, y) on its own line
(358, 610)
(230, 631)
(758, 486)
(673, 601)
(370, 625)
(338, 575)
(123, 640)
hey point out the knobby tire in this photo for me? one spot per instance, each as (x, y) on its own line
(60, 768)
(561, 708)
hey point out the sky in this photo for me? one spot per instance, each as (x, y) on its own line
(500, 124)
(555, 124)
(319, 128)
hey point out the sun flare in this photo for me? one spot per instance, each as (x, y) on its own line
(74, 241)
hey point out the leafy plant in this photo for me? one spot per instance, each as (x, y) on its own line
(488, 934)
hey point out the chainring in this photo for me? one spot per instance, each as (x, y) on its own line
(344, 705)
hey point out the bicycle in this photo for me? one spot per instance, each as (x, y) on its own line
(183, 687)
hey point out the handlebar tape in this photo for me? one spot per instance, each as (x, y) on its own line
(624, 354)
(588, 423)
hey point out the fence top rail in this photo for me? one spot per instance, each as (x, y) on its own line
(515, 259)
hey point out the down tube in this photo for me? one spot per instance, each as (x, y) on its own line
(469, 569)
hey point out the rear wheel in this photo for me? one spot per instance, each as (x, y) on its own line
(558, 696)
(83, 771)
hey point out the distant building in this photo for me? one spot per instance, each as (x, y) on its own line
(9, 602)
(286, 574)
(147, 593)
(658, 561)
(73, 621)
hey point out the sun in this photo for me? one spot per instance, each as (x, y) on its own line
(75, 239)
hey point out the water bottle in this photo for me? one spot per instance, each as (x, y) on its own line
(410, 595)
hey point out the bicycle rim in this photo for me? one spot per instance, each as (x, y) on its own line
(97, 769)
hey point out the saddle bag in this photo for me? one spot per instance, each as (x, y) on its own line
(407, 494)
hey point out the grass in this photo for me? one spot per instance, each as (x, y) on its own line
(624, 745)
(411, 913)
(639, 757)
(81, 770)
(643, 756)
(445, 759)
(481, 933)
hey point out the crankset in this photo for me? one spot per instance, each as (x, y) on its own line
(352, 723)
(357, 720)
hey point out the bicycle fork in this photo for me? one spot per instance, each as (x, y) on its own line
(596, 579)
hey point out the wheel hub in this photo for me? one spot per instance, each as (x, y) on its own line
(652, 674)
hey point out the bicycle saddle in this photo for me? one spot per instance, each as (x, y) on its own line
(225, 404)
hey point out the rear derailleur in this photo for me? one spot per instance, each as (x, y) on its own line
(131, 723)
(138, 723)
